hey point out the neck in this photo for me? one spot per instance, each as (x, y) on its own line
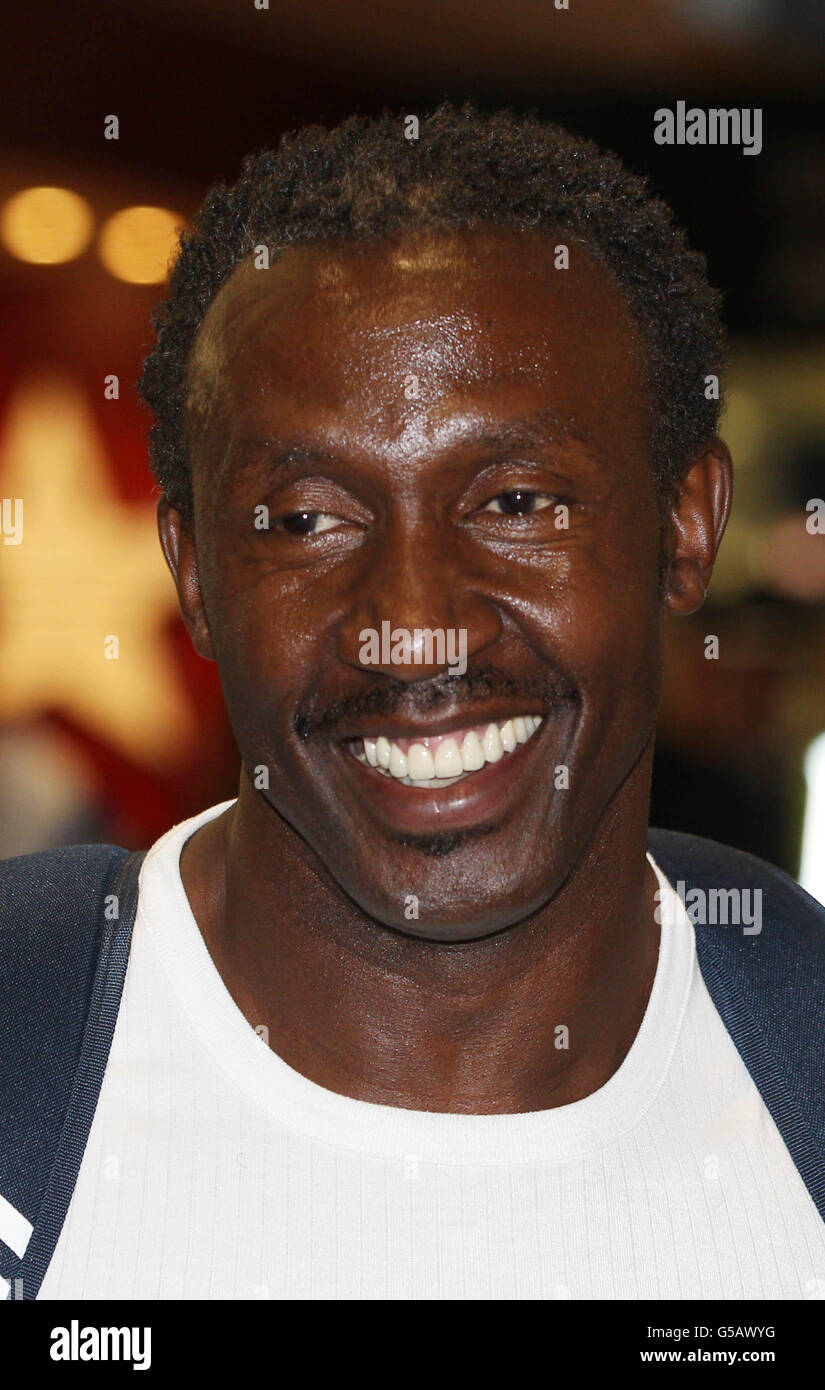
(540, 1015)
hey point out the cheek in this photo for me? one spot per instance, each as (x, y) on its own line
(263, 647)
(590, 588)
(615, 628)
(595, 612)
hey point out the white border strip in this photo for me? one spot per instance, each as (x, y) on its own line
(812, 862)
(15, 1230)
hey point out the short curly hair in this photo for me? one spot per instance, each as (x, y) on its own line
(364, 179)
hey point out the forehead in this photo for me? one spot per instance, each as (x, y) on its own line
(364, 334)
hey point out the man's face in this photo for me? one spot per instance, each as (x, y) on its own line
(449, 433)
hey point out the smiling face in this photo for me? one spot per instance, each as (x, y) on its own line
(449, 434)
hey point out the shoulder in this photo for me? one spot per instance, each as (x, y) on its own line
(760, 944)
(34, 879)
(60, 980)
(50, 905)
(51, 893)
(733, 889)
(53, 929)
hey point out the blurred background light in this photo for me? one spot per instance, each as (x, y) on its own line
(46, 225)
(137, 244)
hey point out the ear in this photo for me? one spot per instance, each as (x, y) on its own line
(695, 525)
(178, 545)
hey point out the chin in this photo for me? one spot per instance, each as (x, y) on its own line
(457, 902)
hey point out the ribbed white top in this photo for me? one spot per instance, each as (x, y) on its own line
(214, 1169)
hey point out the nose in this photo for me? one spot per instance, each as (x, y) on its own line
(416, 610)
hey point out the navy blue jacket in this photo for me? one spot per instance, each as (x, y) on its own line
(66, 918)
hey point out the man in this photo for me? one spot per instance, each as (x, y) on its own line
(418, 1015)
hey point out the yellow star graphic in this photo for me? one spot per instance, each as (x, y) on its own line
(85, 594)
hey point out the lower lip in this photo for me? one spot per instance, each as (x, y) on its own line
(481, 798)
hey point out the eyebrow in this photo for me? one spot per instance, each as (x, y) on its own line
(280, 459)
(285, 458)
(548, 426)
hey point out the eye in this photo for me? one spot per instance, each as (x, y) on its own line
(307, 523)
(519, 501)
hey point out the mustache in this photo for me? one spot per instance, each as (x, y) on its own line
(552, 689)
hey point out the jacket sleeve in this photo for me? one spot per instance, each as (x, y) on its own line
(65, 926)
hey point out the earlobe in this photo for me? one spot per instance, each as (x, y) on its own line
(685, 591)
(696, 525)
(178, 545)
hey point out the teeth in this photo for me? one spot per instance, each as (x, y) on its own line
(472, 753)
(452, 758)
(448, 759)
(491, 744)
(398, 761)
(420, 763)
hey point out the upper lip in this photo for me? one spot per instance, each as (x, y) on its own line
(423, 727)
